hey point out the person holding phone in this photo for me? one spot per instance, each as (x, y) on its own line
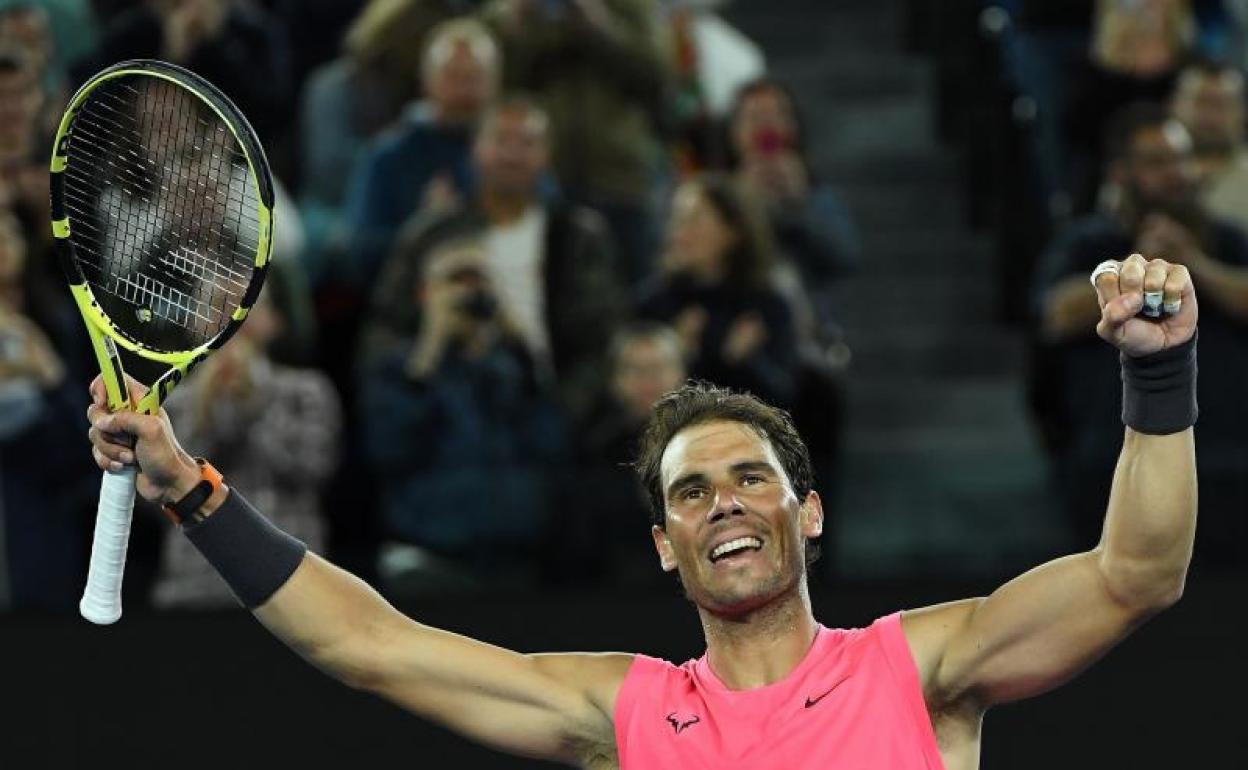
(817, 241)
(457, 425)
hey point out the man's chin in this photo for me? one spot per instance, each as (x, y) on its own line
(741, 596)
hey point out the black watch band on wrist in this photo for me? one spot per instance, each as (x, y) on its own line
(186, 510)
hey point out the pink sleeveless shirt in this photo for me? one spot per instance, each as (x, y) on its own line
(853, 703)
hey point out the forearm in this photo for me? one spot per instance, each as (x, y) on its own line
(1151, 520)
(328, 616)
(332, 619)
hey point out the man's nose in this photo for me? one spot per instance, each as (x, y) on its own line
(724, 505)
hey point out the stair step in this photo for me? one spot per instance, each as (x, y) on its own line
(922, 302)
(972, 351)
(921, 204)
(925, 251)
(978, 410)
(855, 24)
(922, 511)
(934, 164)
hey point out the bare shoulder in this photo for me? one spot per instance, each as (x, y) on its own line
(596, 674)
(929, 631)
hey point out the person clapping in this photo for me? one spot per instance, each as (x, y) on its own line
(715, 289)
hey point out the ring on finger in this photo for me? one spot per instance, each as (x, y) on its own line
(1108, 266)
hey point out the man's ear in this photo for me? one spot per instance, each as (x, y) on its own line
(810, 516)
(667, 557)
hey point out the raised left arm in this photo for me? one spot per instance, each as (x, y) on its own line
(1041, 629)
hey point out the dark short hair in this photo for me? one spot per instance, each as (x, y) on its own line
(515, 101)
(1122, 128)
(638, 331)
(697, 403)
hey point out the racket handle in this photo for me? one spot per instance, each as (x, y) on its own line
(101, 601)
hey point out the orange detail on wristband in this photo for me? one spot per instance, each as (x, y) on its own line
(206, 473)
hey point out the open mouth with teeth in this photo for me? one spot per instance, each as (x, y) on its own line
(741, 546)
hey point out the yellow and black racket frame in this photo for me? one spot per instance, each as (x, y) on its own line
(106, 335)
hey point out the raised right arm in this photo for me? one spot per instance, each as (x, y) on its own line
(556, 706)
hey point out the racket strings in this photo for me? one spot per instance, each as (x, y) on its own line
(163, 210)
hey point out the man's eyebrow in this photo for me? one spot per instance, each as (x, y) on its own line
(753, 465)
(685, 480)
(745, 466)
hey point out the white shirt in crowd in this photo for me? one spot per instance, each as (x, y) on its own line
(516, 264)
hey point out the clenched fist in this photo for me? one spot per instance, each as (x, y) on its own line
(1147, 305)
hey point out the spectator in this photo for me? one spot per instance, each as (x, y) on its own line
(348, 101)
(711, 60)
(57, 32)
(549, 261)
(646, 361)
(24, 149)
(814, 231)
(1137, 51)
(422, 165)
(598, 68)
(272, 429)
(1209, 101)
(233, 44)
(715, 288)
(42, 536)
(1158, 215)
(28, 28)
(457, 426)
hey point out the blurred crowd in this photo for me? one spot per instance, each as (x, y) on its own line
(1114, 127)
(504, 228)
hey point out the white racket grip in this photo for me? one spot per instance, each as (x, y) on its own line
(101, 601)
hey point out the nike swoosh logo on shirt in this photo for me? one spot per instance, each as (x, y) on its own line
(812, 701)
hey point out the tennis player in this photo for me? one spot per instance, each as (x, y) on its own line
(730, 481)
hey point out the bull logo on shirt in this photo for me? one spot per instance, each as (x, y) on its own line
(679, 725)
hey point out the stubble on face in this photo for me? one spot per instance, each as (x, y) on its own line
(734, 484)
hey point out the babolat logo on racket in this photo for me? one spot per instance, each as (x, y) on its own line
(144, 314)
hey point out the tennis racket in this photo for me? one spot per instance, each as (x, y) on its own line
(162, 209)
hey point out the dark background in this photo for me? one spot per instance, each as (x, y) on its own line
(944, 490)
(215, 691)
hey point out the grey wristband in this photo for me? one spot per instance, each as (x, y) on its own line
(254, 557)
(1159, 390)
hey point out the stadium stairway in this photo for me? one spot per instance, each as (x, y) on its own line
(942, 473)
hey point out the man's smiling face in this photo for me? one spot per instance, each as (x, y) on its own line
(736, 531)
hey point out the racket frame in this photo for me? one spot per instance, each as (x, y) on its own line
(103, 332)
(101, 599)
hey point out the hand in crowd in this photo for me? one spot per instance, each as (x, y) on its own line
(746, 335)
(776, 178)
(188, 24)
(26, 352)
(1136, 283)
(689, 325)
(227, 375)
(447, 317)
(441, 195)
(1136, 37)
(1161, 235)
